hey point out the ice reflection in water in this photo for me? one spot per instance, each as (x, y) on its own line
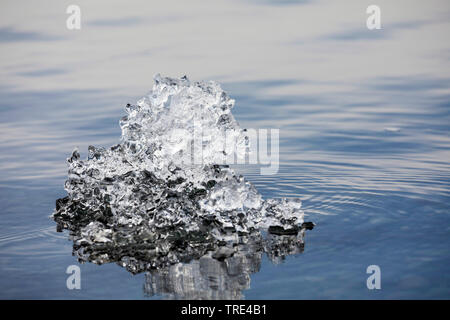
(212, 278)
(208, 268)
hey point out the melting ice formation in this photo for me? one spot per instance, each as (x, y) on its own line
(144, 204)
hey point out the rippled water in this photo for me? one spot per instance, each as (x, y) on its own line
(367, 154)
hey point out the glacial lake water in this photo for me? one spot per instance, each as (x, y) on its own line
(367, 151)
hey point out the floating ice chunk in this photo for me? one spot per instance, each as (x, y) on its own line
(150, 182)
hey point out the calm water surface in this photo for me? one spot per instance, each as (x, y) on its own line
(368, 156)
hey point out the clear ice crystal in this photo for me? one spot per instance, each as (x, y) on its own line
(149, 184)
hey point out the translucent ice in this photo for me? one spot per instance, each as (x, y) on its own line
(161, 185)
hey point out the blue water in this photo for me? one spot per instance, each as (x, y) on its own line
(377, 196)
(370, 162)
